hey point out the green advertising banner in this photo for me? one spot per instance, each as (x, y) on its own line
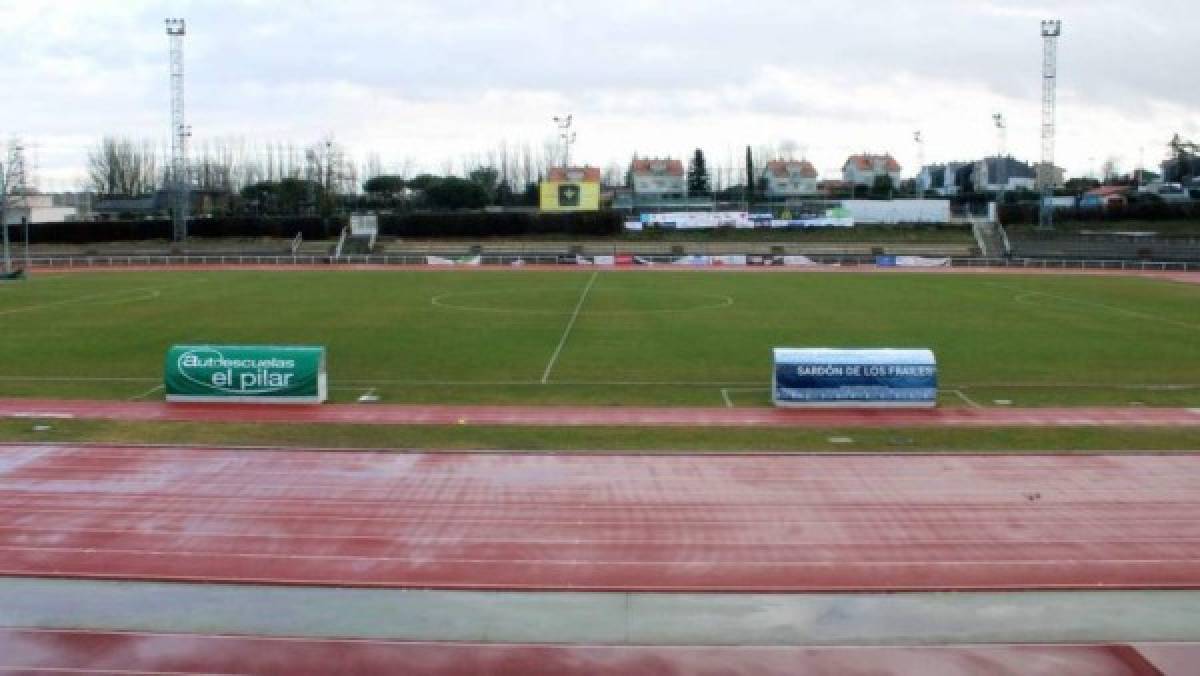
(258, 373)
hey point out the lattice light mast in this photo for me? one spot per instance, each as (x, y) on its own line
(1051, 30)
(566, 136)
(180, 131)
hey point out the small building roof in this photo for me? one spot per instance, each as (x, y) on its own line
(785, 168)
(868, 162)
(667, 167)
(1109, 190)
(585, 174)
(1008, 168)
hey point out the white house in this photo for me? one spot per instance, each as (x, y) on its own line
(864, 169)
(36, 209)
(994, 174)
(940, 178)
(789, 178)
(658, 178)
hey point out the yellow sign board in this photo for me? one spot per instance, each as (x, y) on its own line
(570, 196)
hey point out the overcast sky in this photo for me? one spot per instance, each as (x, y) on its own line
(424, 83)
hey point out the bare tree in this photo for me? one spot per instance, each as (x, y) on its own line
(373, 167)
(120, 166)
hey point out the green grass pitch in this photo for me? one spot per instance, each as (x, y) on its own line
(613, 338)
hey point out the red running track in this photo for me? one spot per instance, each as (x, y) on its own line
(620, 416)
(1166, 275)
(601, 522)
(71, 651)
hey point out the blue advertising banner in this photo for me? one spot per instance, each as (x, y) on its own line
(830, 377)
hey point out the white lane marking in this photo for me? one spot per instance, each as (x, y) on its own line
(570, 325)
(17, 668)
(399, 538)
(591, 562)
(40, 414)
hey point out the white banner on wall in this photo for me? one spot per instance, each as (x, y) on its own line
(440, 260)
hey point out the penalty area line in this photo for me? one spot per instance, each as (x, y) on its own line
(570, 325)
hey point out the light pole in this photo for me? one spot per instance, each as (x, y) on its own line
(920, 162)
(566, 136)
(1001, 162)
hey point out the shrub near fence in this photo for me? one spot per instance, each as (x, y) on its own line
(499, 224)
(84, 232)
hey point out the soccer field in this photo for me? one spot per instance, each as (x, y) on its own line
(609, 337)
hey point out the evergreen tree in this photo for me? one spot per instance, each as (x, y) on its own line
(750, 182)
(697, 176)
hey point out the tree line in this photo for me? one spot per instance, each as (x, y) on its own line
(322, 177)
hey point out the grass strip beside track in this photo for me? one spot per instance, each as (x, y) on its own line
(550, 439)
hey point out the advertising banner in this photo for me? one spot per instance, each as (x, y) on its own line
(569, 196)
(890, 261)
(862, 378)
(464, 260)
(694, 220)
(247, 373)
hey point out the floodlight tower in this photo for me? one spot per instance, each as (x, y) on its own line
(180, 131)
(1051, 30)
(1001, 134)
(566, 135)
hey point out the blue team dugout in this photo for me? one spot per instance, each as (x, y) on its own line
(866, 378)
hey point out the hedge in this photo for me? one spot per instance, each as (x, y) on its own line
(1027, 213)
(417, 224)
(83, 232)
(501, 224)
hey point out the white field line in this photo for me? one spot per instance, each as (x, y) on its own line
(967, 400)
(121, 296)
(570, 325)
(725, 396)
(147, 393)
(70, 379)
(729, 401)
(1023, 297)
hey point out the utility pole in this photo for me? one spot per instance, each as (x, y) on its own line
(180, 131)
(920, 162)
(566, 136)
(1051, 30)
